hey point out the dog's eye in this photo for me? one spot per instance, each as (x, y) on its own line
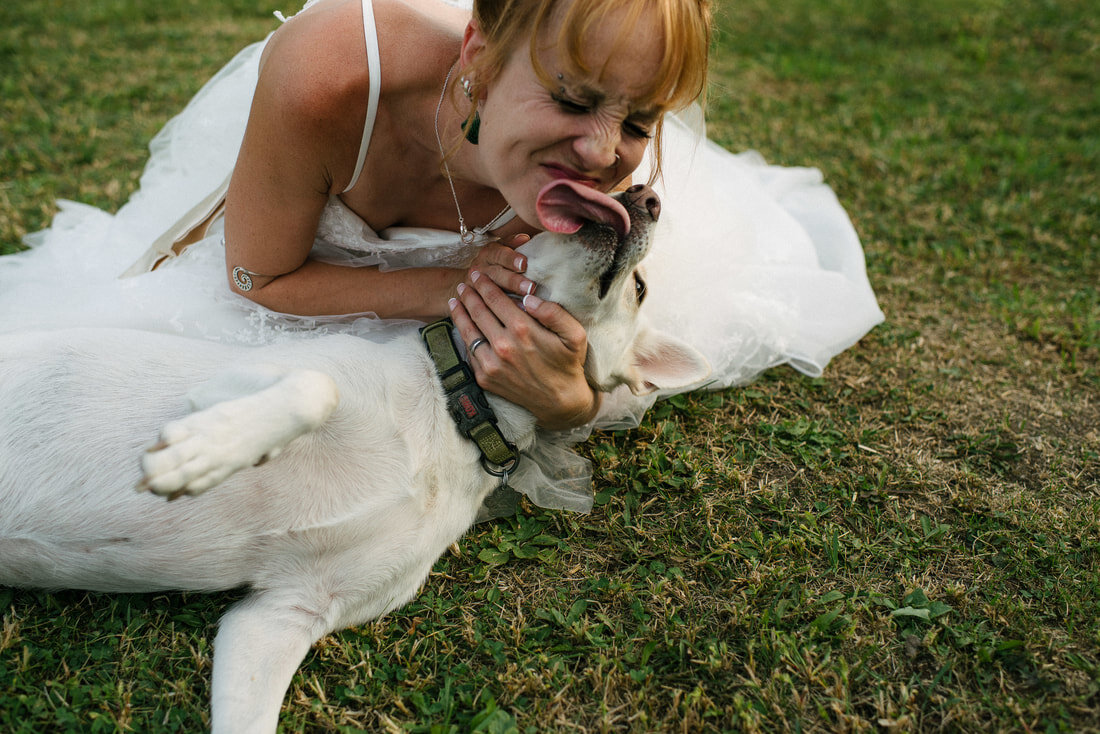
(639, 288)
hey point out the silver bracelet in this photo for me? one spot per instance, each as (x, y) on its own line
(243, 278)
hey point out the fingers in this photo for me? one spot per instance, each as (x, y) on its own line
(558, 320)
(486, 311)
(468, 330)
(504, 266)
(516, 240)
(475, 308)
(487, 293)
(502, 255)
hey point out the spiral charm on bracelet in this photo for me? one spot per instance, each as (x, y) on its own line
(242, 278)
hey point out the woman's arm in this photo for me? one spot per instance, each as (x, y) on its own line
(300, 147)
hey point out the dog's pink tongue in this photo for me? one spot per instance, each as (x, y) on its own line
(564, 205)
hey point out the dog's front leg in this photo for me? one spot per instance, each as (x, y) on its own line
(260, 643)
(244, 416)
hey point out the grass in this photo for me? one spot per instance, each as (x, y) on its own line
(911, 543)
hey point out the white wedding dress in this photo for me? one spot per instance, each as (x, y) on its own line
(755, 265)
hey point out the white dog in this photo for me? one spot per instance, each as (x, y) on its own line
(372, 483)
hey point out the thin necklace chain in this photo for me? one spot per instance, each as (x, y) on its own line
(466, 235)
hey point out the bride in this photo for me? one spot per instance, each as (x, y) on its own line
(376, 161)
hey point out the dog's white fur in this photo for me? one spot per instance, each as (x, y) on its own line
(371, 484)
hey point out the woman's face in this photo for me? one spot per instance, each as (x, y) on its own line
(589, 127)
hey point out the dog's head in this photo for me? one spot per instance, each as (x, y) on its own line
(588, 262)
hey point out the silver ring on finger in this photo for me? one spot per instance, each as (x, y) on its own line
(477, 343)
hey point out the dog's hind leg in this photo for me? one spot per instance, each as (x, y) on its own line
(244, 417)
(259, 645)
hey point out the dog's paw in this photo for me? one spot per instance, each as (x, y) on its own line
(203, 449)
(198, 453)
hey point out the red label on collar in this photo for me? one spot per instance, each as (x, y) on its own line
(467, 406)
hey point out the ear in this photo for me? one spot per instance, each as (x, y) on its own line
(663, 362)
(473, 43)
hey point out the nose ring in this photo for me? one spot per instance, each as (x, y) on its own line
(617, 159)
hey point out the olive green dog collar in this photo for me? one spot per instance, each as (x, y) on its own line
(467, 402)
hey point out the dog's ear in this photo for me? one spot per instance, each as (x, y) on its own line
(663, 362)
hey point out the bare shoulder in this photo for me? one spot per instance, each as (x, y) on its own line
(316, 63)
(308, 68)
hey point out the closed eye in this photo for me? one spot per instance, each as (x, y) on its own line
(638, 129)
(576, 108)
(639, 288)
(635, 128)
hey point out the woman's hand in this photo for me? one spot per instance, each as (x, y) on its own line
(503, 265)
(532, 356)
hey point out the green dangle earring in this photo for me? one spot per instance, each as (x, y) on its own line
(470, 127)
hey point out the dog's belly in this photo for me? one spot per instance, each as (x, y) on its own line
(78, 409)
(76, 412)
(72, 434)
(264, 527)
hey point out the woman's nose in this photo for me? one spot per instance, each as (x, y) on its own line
(597, 149)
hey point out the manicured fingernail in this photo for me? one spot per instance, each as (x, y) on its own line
(451, 303)
(461, 288)
(531, 287)
(474, 275)
(520, 264)
(531, 301)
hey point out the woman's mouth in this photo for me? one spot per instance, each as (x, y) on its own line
(571, 175)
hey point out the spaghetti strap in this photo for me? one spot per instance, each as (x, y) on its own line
(374, 70)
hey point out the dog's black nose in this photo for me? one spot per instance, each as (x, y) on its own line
(642, 196)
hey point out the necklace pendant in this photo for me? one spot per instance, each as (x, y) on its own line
(465, 235)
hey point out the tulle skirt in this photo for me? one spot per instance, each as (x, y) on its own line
(755, 265)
